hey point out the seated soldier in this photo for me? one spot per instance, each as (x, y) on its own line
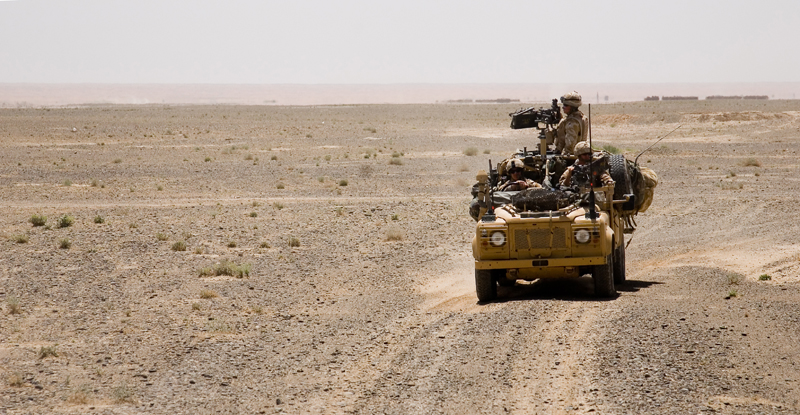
(516, 181)
(580, 170)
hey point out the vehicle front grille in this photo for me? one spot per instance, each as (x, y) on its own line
(525, 239)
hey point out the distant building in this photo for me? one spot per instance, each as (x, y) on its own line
(680, 98)
(652, 98)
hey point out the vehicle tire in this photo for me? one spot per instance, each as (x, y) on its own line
(619, 264)
(604, 278)
(485, 285)
(618, 168)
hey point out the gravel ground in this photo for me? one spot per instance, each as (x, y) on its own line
(353, 285)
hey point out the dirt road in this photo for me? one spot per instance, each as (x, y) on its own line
(353, 286)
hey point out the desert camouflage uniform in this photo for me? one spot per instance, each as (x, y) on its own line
(571, 130)
(510, 185)
(566, 178)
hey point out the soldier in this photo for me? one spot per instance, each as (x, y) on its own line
(579, 170)
(573, 128)
(515, 179)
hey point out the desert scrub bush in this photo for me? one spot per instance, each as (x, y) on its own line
(117, 161)
(231, 244)
(65, 221)
(264, 245)
(38, 220)
(278, 205)
(64, 243)
(20, 239)
(487, 151)
(370, 130)
(327, 157)
(253, 214)
(48, 351)
(339, 211)
(208, 294)
(396, 154)
(343, 182)
(13, 305)
(67, 183)
(161, 237)
(207, 159)
(226, 267)
(160, 188)
(196, 306)
(752, 162)
(281, 186)
(199, 251)
(179, 246)
(273, 157)
(99, 219)
(394, 234)
(471, 151)
(612, 149)
(397, 161)
(764, 277)
(395, 216)
(294, 242)
(248, 157)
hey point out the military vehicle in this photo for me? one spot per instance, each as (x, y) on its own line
(553, 231)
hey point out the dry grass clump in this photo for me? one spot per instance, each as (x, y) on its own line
(13, 305)
(161, 237)
(253, 214)
(394, 234)
(612, 149)
(179, 246)
(471, 151)
(99, 219)
(15, 380)
(122, 394)
(752, 162)
(20, 239)
(294, 242)
(48, 351)
(487, 151)
(38, 220)
(226, 267)
(264, 245)
(208, 294)
(64, 243)
(734, 278)
(81, 395)
(232, 244)
(343, 182)
(281, 186)
(397, 161)
(65, 221)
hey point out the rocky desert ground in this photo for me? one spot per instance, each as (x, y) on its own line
(317, 260)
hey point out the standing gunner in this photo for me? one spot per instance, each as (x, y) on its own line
(573, 128)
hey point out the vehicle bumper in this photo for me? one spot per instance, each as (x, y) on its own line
(540, 263)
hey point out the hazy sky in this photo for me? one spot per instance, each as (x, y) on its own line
(374, 41)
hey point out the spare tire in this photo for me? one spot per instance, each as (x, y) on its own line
(618, 168)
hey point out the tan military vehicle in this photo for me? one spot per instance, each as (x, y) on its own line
(556, 232)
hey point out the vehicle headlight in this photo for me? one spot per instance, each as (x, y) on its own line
(582, 236)
(498, 238)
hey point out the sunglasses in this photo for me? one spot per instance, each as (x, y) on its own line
(515, 171)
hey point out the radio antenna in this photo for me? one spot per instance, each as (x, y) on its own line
(592, 213)
(636, 160)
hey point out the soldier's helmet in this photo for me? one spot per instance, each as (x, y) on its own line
(515, 164)
(582, 148)
(573, 99)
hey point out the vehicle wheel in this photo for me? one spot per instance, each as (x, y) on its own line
(604, 279)
(618, 168)
(619, 264)
(485, 285)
